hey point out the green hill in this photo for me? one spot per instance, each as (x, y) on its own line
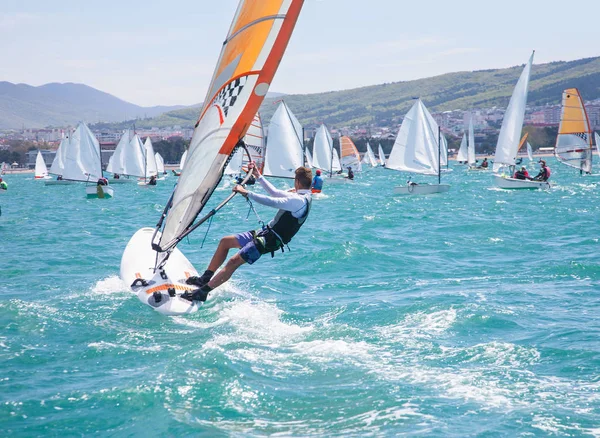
(386, 104)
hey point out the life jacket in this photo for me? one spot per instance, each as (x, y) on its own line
(285, 226)
(313, 190)
(547, 172)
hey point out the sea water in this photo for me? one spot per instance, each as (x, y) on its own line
(473, 312)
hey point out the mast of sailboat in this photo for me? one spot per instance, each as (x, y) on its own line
(439, 154)
(331, 160)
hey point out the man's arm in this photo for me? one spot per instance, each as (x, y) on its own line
(291, 202)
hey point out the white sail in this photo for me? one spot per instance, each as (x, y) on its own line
(597, 142)
(336, 166)
(183, 157)
(285, 146)
(369, 157)
(462, 155)
(234, 167)
(309, 160)
(82, 160)
(444, 151)
(471, 144)
(116, 164)
(416, 147)
(512, 124)
(160, 163)
(41, 171)
(322, 149)
(529, 152)
(58, 164)
(134, 158)
(151, 167)
(255, 141)
(381, 155)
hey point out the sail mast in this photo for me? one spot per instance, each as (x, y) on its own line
(439, 155)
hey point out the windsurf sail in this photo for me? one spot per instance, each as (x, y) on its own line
(250, 55)
(349, 156)
(255, 142)
(41, 171)
(512, 124)
(523, 141)
(574, 140)
(285, 148)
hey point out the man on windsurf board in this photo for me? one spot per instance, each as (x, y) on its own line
(293, 209)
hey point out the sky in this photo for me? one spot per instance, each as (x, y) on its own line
(164, 52)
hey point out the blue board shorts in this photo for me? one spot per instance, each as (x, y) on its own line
(248, 252)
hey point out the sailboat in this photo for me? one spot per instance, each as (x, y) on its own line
(151, 168)
(597, 137)
(250, 55)
(529, 152)
(462, 156)
(510, 133)
(285, 145)
(381, 155)
(160, 165)
(325, 156)
(308, 156)
(472, 161)
(255, 142)
(41, 171)
(181, 163)
(369, 157)
(349, 156)
(574, 141)
(127, 161)
(58, 164)
(417, 149)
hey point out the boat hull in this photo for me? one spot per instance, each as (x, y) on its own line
(421, 189)
(102, 192)
(505, 182)
(121, 181)
(138, 261)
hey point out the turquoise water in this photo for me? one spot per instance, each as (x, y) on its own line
(468, 313)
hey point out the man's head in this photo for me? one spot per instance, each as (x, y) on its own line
(542, 163)
(523, 169)
(303, 178)
(318, 172)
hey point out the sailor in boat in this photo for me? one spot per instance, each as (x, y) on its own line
(152, 181)
(116, 176)
(522, 174)
(59, 178)
(350, 173)
(317, 183)
(3, 185)
(102, 182)
(544, 174)
(484, 164)
(293, 209)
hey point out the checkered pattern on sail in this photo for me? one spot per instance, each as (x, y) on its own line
(582, 135)
(228, 95)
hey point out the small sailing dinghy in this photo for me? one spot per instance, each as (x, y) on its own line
(417, 149)
(181, 163)
(381, 155)
(574, 146)
(150, 165)
(325, 156)
(509, 138)
(285, 145)
(127, 162)
(41, 171)
(58, 165)
(151, 264)
(369, 157)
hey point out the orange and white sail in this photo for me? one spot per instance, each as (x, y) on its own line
(349, 156)
(574, 141)
(249, 58)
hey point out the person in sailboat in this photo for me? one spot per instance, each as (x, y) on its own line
(522, 174)
(293, 209)
(317, 182)
(350, 173)
(59, 178)
(102, 181)
(152, 181)
(116, 176)
(544, 174)
(484, 164)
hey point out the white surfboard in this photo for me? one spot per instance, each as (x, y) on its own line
(160, 290)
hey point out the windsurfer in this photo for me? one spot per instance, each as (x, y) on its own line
(317, 183)
(293, 207)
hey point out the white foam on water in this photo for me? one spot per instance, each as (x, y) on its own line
(103, 345)
(110, 286)
(420, 325)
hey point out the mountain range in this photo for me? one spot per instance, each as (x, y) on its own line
(385, 104)
(54, 104)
